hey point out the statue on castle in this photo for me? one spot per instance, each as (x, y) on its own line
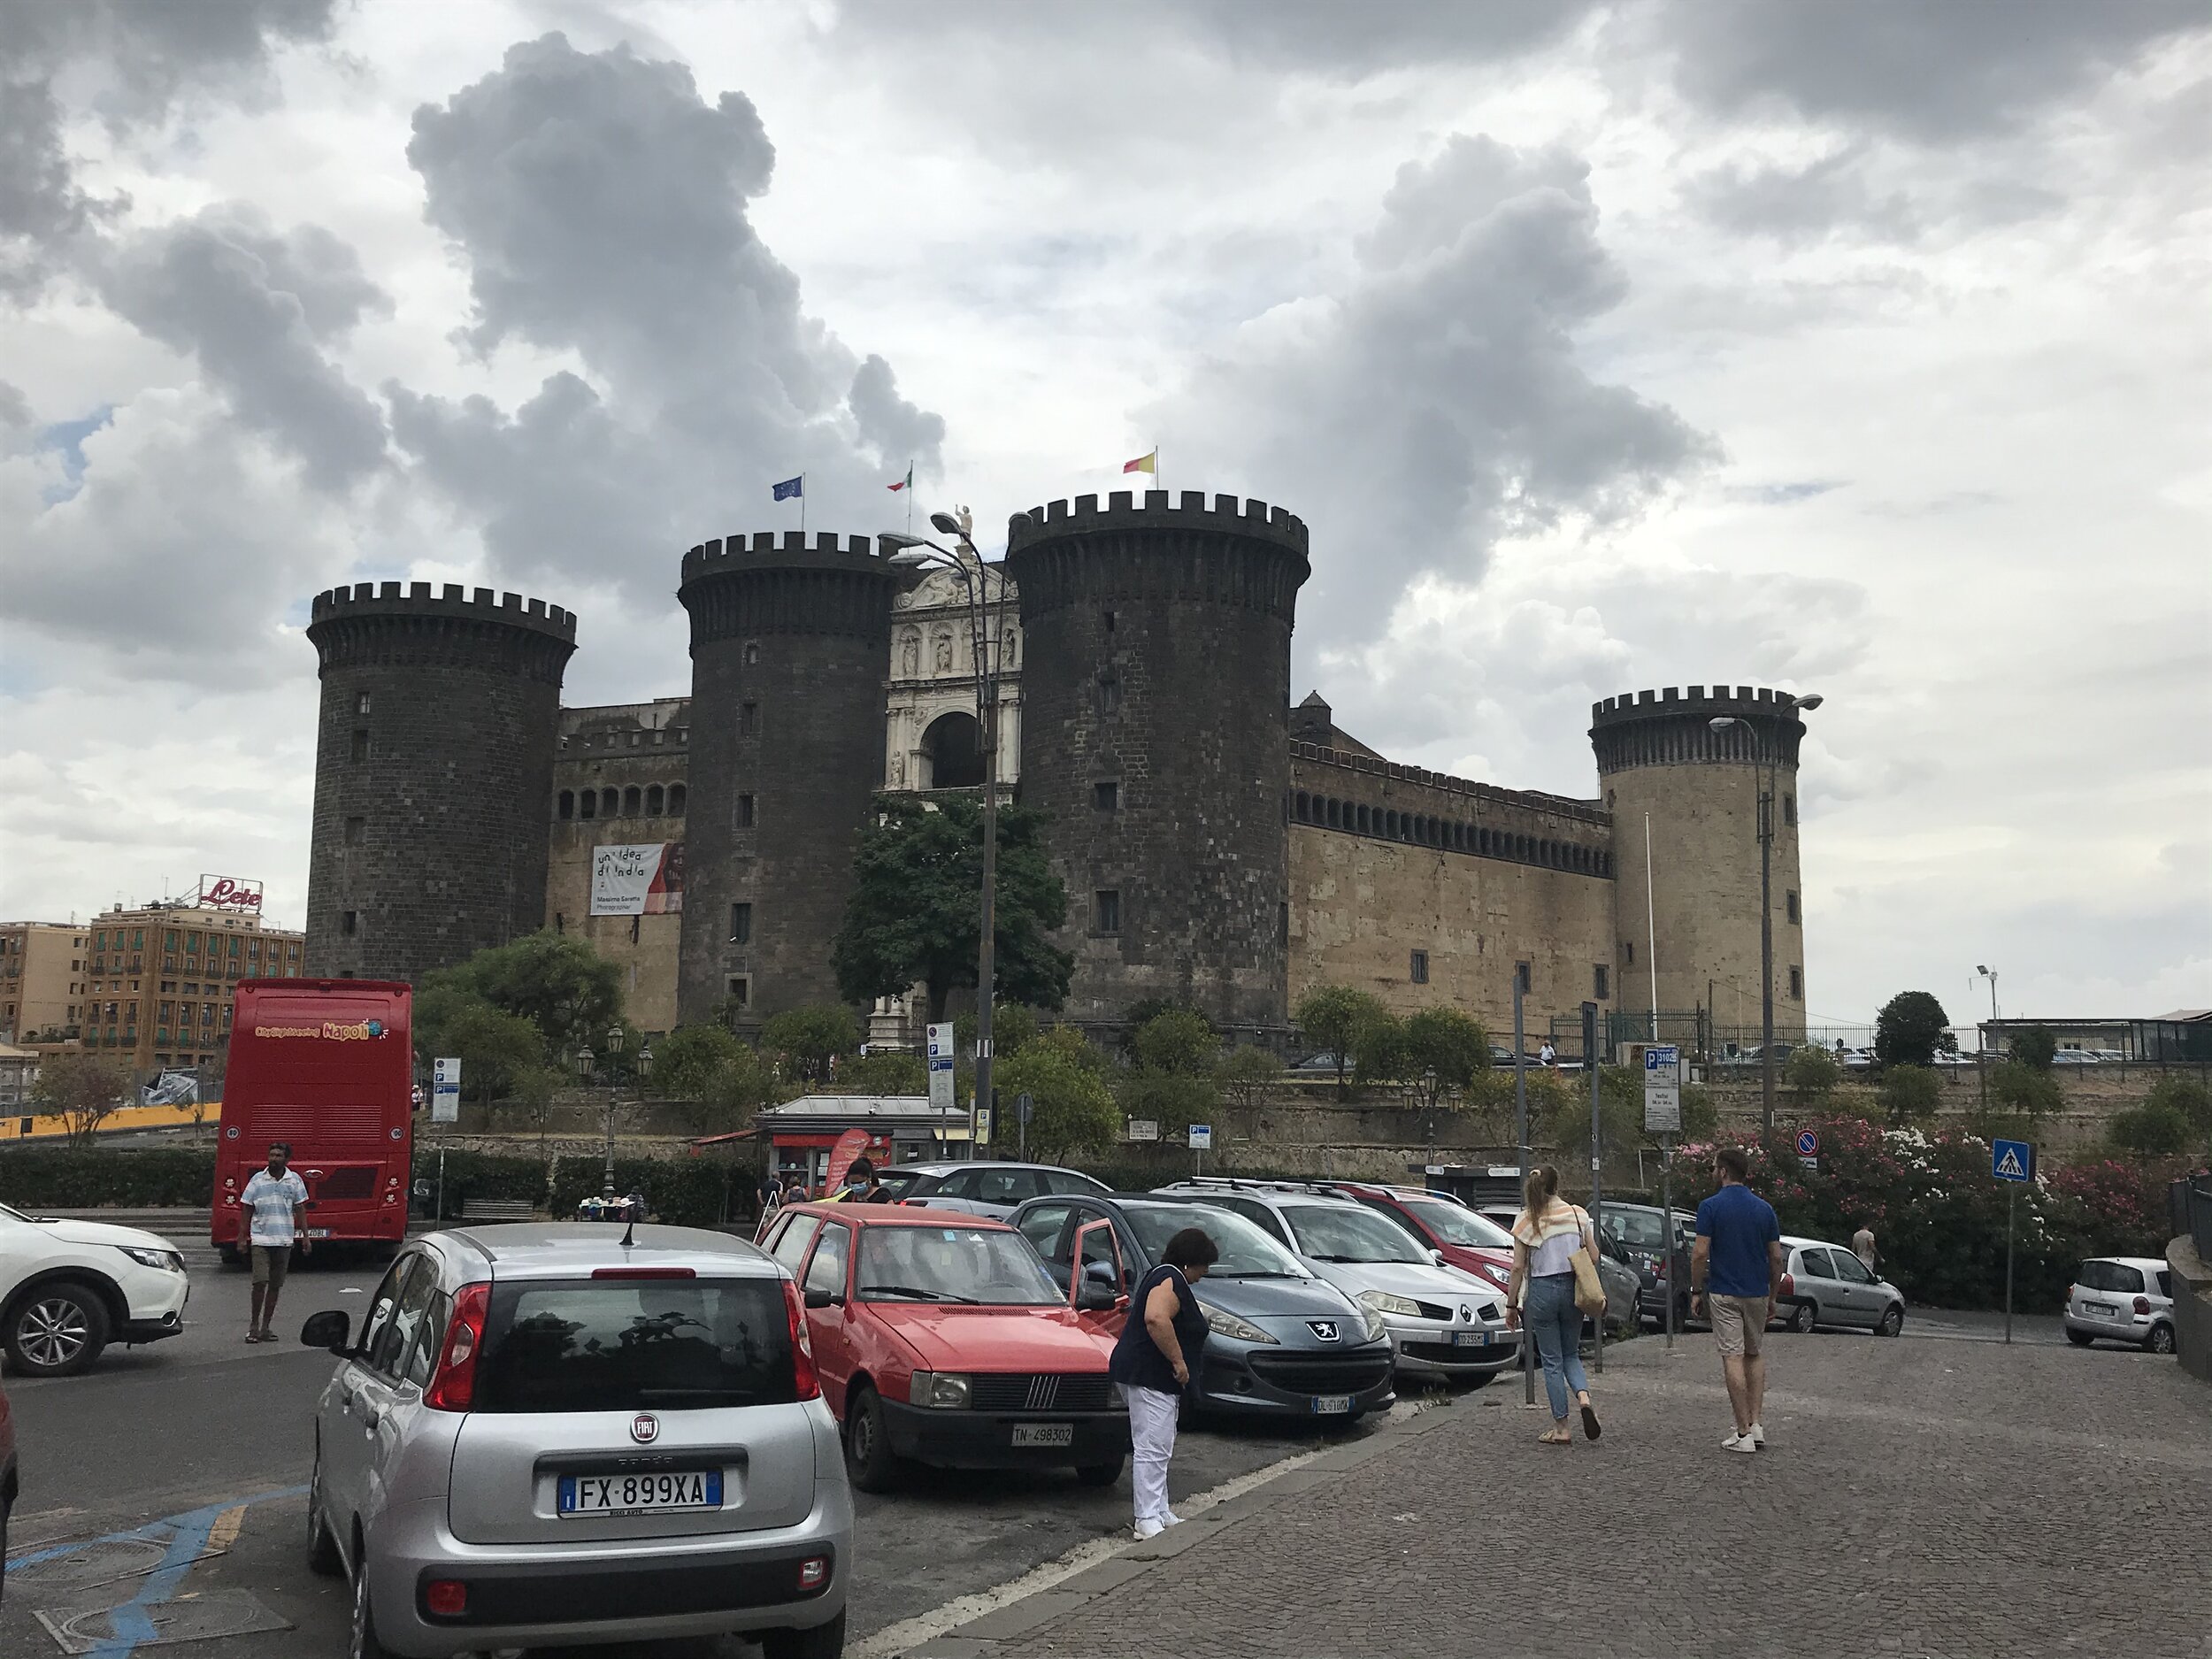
(944, 653)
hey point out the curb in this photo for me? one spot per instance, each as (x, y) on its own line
(980, 1638)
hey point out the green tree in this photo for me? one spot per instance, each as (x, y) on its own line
(1011, 1026)
(1813, 1073)
(1071, 1109)
(915, 917)
(1910, 1093)
(496, 1048)
(811, 1036)
(2020, 1087)
(1910, 1029)
(1380, 1053)
(82, 1088)
(2035, 1046)
(2152, 1130)
(558, 983)
(1447, 1042)
(2179, 1093)
(686, 1061)
(1249, 1074)
(1332, 1015)
(884, 1071)
(1176, 1055)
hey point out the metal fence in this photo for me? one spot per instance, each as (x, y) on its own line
(2190, 1199)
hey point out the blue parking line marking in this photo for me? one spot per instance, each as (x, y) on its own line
(150, 1529)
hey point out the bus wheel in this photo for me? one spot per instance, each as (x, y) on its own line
(231, 1255)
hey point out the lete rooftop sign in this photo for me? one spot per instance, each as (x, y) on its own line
(229, 893)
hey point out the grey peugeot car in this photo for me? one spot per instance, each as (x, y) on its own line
(545, 1436)
(1279, 1341)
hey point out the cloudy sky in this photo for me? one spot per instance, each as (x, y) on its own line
(1858, 350)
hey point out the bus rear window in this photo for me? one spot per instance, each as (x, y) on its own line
(664, 1344)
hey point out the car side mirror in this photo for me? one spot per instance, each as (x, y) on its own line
(327, 1330)
(1098, 1272)
(823, 1299)
(1095, 1299)
(1437, 1257)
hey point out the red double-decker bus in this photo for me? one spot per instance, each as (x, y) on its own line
(325, 1065)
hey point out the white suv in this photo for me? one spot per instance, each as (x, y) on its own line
(69, 1289)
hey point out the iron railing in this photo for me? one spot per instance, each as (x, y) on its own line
(2190, 1199)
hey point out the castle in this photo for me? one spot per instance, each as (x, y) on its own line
(1219, 846)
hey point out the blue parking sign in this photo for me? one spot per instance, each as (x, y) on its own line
(2012, 1160)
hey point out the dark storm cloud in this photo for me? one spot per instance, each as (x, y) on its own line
(599, 202)
(1931, 72)
(1807, 204)
(146, 55)
(255, 309)
(1437, 403)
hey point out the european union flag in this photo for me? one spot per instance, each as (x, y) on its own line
(791, 486)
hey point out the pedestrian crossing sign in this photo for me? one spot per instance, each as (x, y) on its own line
(2012, 1160)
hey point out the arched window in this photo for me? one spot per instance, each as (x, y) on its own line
(1362, 819)
(567, 808)
(633, 800)
(752, 653)
(1301, 806)
(675, 800)
(588, 803)
(653, 799)
(609, 802)
(952, 749)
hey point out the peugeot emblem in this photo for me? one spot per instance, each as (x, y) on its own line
(1325, 1329)
(645, 1428)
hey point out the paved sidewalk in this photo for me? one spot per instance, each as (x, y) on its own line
(1940, 1499)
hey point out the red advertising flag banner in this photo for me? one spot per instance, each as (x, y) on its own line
(849, 1146)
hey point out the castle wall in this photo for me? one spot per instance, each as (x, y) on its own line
(620, 777)
(433, 757)
(1158, 642)
(1659, 756)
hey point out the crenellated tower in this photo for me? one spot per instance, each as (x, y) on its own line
(790, 635)
(1156, 708)
(1662, 759)
(433, 766)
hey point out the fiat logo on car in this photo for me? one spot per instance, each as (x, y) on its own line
(645, 1428)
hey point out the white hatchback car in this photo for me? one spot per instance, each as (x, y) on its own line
(2122, 1299)
(69, 1289)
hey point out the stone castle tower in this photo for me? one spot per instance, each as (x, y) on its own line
(433, 767)
(791, 637)
(1156, 705)
(1660, 757)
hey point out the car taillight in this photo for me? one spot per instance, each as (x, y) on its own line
(2142, 1304)
(802, 1376)
(447, 1598)
(814, 1572)
(1659, 1267)
(454, 1387)
(1789, 1284)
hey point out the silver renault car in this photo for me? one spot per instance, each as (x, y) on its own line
(545, 1436)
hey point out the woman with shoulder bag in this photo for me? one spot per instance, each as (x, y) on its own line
(1553, 1247)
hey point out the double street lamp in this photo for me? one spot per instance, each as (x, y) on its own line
(986, 618)
(1787, 705)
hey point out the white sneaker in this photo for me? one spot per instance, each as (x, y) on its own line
(1740, 1443)
(1150, 1528)
(1170, 1518)
(1758, 1437)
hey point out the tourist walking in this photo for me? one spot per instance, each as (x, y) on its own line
(1738, 1255)
(1541, 1298)
(274, 1200)
(1862, 1246)
(1154, 1362)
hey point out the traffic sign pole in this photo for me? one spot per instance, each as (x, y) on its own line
(2013, 1163)
(1597, 1157)
(2012, 1208)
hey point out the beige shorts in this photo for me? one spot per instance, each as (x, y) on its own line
(1739, 1323)
(271, 1263)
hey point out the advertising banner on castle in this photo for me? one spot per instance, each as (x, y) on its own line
(646, 878)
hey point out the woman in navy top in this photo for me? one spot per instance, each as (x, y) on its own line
(1153, 1362)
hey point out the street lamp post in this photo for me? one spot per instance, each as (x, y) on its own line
(983, 633)
(1789, 705)
(615, 1036)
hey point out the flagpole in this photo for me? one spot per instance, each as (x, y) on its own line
(803, 504)
(909, 497)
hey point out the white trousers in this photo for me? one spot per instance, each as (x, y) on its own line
(1152, 1442)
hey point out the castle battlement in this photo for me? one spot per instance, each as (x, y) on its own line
(783, 550)
(1588, 812)
(386, 599)
(1671, 727)
(1227, 513)
(1744, 700)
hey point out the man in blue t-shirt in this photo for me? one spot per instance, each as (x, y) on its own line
(1739, 1249)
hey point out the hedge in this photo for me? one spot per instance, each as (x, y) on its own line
(683, 1192)
(87, 1178)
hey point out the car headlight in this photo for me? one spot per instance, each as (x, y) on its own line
(1222, 1323)
(1502, 1276)
(939, 1391)
(1375, 1332)
(166, 1260)
(1383, 1302)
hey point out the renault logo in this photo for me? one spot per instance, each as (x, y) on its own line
(1466, 1313)
(645, 1428)
(1325, 1329)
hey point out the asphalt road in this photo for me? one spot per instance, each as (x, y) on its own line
(215, 1435)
